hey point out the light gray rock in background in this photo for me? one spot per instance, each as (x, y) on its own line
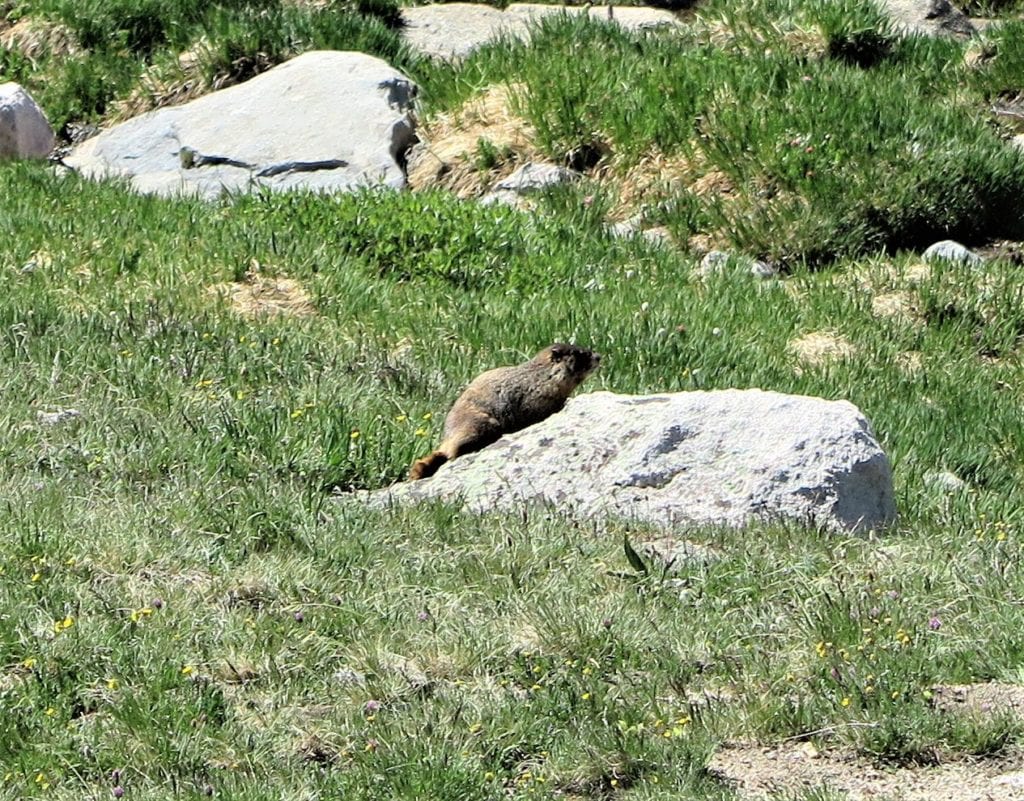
(505, 198)
(762, 269)
(948, 250)
(945, 480)
(325, 121)
(633, 227)
(57, 417)
(632, 18)
(930, 17)
(454, 30)
(24, 130)
(717, 458)
(714, 261)
(533, 176)
(717, 261)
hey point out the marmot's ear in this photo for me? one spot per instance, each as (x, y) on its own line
(559, 351)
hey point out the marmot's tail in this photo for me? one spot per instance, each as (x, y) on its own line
(427, 466)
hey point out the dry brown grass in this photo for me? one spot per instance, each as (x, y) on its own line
(819, 348)
(34, 38)
(900, 306)
(166, 84)
(647, 181)
(447, 158)
(260, 295)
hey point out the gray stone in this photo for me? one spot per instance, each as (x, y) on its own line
(717, 261)
(532, 177)
(659, 235)
(627, 228)
(713, 262)
(930, 17)
(717, 458)
(632, 18)
(325, 121)
(1014, 779)
(945, 480)
(762, 269)
(24, 130)
(454, 30)
(505, 198)
(57, 417)
(347, 676)
(631, 228)
(948, 250)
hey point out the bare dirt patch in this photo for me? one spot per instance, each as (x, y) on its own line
(818, 348)
(266, 296)
(898, 306)
(763, 772)
(980, 699)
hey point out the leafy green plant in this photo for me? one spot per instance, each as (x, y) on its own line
(856, 32)
(998, 75)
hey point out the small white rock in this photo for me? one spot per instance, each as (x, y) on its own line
(945, 480)
(57, 417)
(713, 262)
(1015, 780)
(532, 177)
(948, 250)
(762, 269)
(503, 198)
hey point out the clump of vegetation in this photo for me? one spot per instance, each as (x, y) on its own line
(806, 177)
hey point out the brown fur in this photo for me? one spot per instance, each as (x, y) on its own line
(508, 399)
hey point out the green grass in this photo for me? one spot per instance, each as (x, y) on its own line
(185, 607)
(904, 159)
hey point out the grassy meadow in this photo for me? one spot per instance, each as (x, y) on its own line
(186, 608)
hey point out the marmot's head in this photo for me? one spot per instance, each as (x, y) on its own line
(569, 361)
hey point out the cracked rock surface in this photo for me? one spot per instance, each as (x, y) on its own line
(725, 457)
(325, 120)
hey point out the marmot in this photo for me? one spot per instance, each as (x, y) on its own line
(508, 399)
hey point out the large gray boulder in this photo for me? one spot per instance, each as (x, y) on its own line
(454, 30)
(719, 458)
(325, 120)
(24, 130)
(931, 17)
